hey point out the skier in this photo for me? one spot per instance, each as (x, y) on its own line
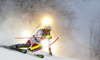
(35, 43)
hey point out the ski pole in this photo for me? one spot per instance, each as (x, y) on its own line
(36, 28)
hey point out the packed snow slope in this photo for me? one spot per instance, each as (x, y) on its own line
(6, 54)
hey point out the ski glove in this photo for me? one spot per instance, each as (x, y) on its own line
(42, 38)
(50, 53)
(48, 37)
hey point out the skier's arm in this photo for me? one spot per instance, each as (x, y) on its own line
(47, 37)
(39, 34)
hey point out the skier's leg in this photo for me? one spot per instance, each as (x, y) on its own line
(36, 46)
(19, 46)
(29, 43)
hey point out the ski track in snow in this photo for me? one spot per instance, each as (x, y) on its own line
(6, 54)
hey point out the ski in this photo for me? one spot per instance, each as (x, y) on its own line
(26, 51)
(22, 51)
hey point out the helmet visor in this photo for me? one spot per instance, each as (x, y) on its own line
(48, 30)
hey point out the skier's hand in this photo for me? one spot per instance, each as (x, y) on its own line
(42, 38)
(50, 53)
(48, 37)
